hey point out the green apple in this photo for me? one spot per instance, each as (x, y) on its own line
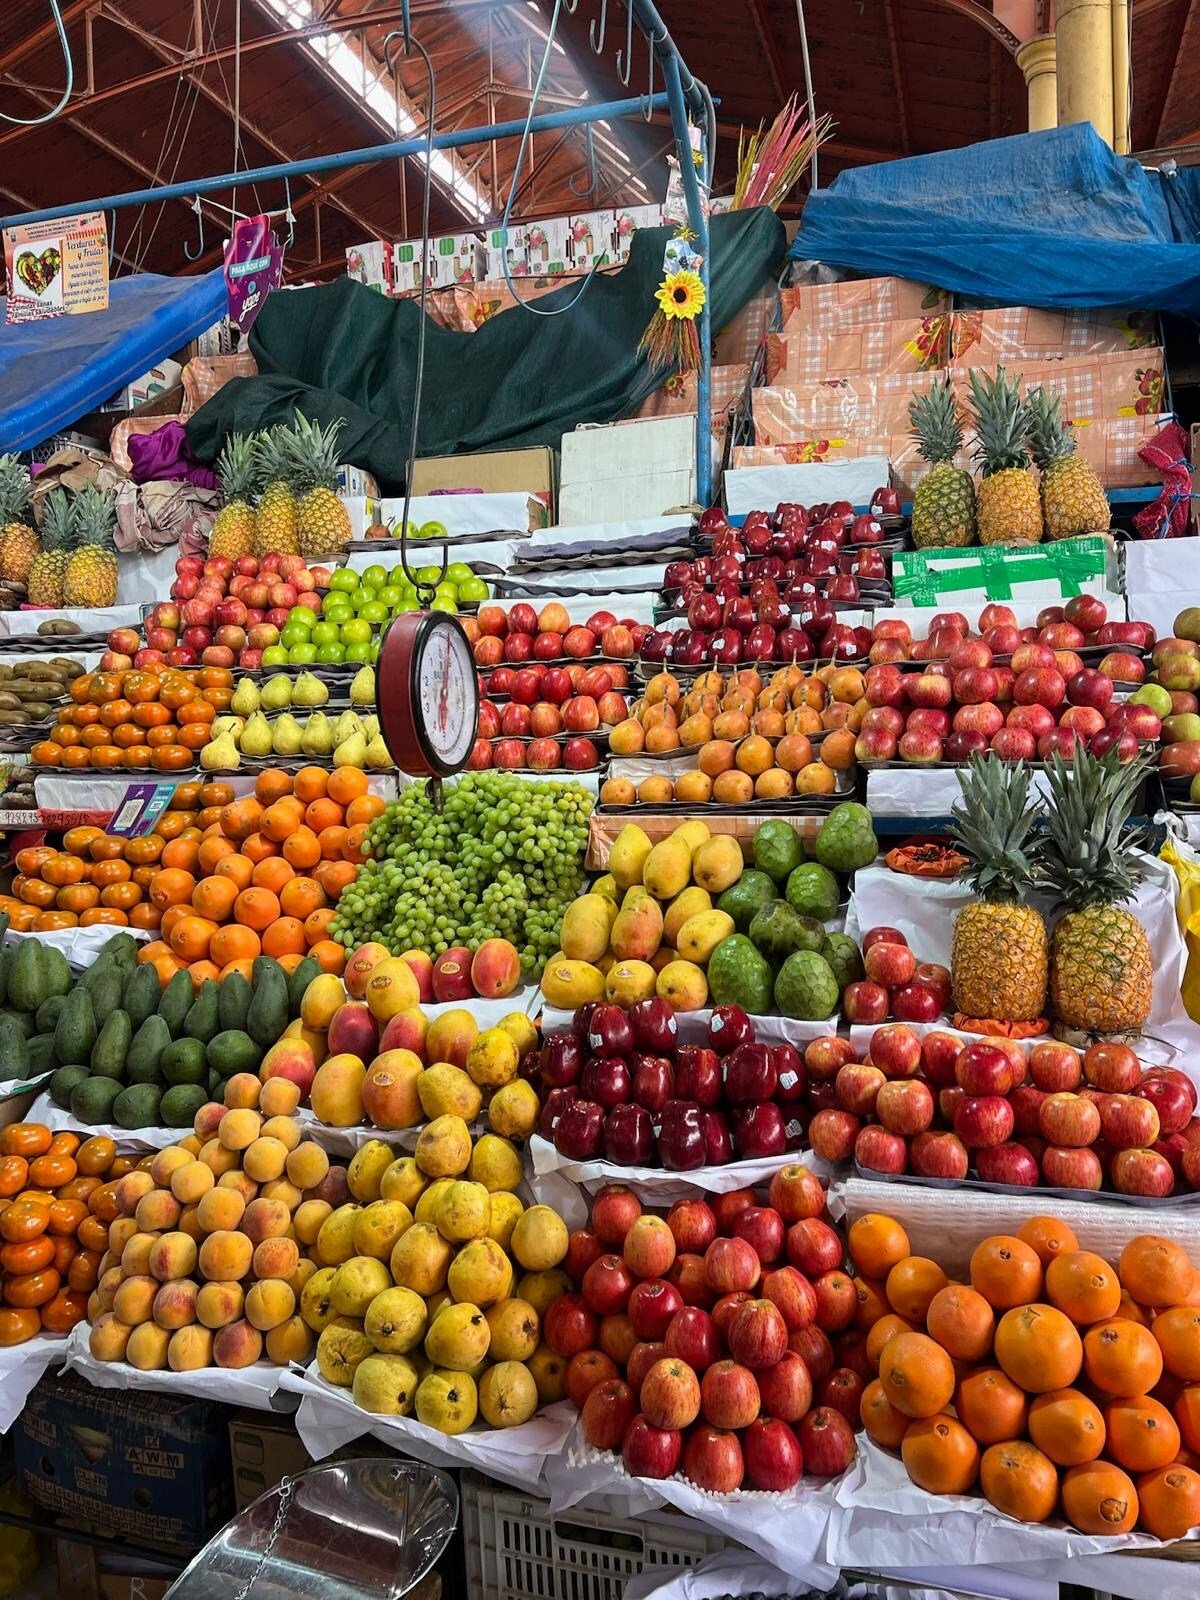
(302, 655)
(373, 577)
(303, 615)
(429, 575)
(343, 580)
(409, 603)
(356, 632)
(374, 611)
(459, 572)
(360, 651)
(295, 633)
(275, 655)
(434, 530)
(1154, 696)
(331, 652)
(472, 591)
(391, 594)
(442, 602)
(325, 633)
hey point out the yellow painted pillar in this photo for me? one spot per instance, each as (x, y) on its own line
(1120, 54)
(1084, 31)
(1037, 60)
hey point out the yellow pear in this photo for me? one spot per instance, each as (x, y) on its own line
(257, 736)
(276, 693)
(352, 752)
(308, 690)
(220, 754)
(245, 698)
(286, 736)
(362, 689)
(318, 735)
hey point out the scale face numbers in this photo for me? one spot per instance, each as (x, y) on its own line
(428, 693)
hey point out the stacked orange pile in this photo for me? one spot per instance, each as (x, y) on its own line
(137, 719)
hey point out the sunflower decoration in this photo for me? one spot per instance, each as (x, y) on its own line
(671, 340)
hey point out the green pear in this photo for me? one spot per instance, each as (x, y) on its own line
(232, 725)
(245, 698)
(308, 690)
(256, 736)
(352, 752)
(362, 689)
(378, 754)
(318, 735)
(220, 754)
(346, 726)
(286, 736)
(370, 728)
(276, 693)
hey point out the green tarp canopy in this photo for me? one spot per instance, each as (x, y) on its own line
(342, 350)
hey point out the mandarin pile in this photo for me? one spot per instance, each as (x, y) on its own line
(153, 717)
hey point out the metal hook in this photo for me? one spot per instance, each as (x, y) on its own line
(597, 41)
(200, 249)
(648, 114)
(289, 215)
(627, 53)
(570, 6)
(590, 187)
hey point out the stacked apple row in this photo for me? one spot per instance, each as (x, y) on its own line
(523, 633)
(621, 1088)
(525, 712)
(711, 1342)
(1082, 624)
(942, 1108)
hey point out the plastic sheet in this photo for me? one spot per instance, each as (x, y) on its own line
(129, 1141)
(661, 1187)
(21, 1366)
(243, 1386)
(81, 946)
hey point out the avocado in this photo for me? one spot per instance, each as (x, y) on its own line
(305, 973)
(268, 1013)
(777, 930)
(111, 1049)
(92, 1100)
(42, 1057)
(182, 1062)
(105, 983)
(175, 1004)
(233, 1051)
(75, 1030)
(142, 994)
(201, 1022)
(738, 974)
(146, 1049)
(137, 1106)
(62, 1083)
(24, 1021)
(122, 948)
(46, 1016)
(747, 897)
(178, 1107)
(234, 995)
(14, 1050)
(7, 956)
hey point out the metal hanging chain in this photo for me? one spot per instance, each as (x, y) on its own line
(286, 1487)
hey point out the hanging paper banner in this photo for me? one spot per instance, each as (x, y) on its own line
(253, 267)
(56, 269)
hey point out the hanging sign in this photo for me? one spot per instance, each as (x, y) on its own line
(253, 267)
(57, 268)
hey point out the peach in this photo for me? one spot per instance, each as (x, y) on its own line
(94, 1310)
(280, 1189)
(191, 1182)
(268, 1303)
(450, 1037)
(361, 965)
(135, 1254)
(407, 1030)
(110, 1282)
(307, 1164)
(215, 1155)
(237, 1180)
(110, 1259)
(334, 1187)
(290, 1061)
(495, 969)
(237, 1345)
(207, 1120)
(239, 1129)
(190, 1349)
(279, 1098)
(220, 1209)
(173, 1255)
(389, 1090)
(264, 1219)
(109, 1337)
(134, 1300)
(130, 1190)
(189, 1221)
(157, 1211)
(191, 1144)
(218, 1304)
(242, 1091)
(305, 1268)
(120, 1231)
(276, 1258)
(264, 1159)
(175, 1303)
(353, 1031)
(147, 1347)
(225, 1255)
(285, 1129)
(289, 1341)
(308, 1218)
(165, 1163)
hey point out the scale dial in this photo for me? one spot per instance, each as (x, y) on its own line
(428, 693)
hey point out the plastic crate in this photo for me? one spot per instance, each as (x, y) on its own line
(517, 1550)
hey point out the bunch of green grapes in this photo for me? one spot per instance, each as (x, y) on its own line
(502, 859)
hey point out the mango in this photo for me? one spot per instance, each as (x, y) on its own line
(443, 1148)
(667, 870)
(385, 1385)
(508, 1394)
(395, 1321)
(567, 985)
(513, 1111)
(323, 997)
(365, 1173)
(701, 934)
(637, 932)
(693, 834)
(585, 927)
(628, 981)
(492, 1061)
(628, 855)
(718, 864)
(607, 886)
(687, 904)
(336, 1093)
(389, 1091)
(450, 1037)
(444, 1091)
(684, 985)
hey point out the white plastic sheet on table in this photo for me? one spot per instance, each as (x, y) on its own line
(20, 1368)
(129, 1141)
(328, 1419)
(923, 909)
(81, 946)
(254, 1386)
(762, 488)
(98, 793)
(145, 576)
(915, 791)
(1158, 566)
(615, 533)
(101, 619)
(662, 1187)
(1160, 607)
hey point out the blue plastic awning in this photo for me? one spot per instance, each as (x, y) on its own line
(53, 372)
(1043, 219)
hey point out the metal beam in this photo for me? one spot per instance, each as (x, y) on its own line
(889, 11)
(977, 13)
(43, 34)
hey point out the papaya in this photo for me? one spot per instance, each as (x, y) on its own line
(7, 956)
(299, 982)
(233, 1003)
(14, 1054)
(178, 1107)
(40, 1050)
(142, 994)
(183, 1062)
(146, 1048)
(137, 1106)
(75, 1030)
(176, 1002)
(37, 972)
(111, 1048)
(123, 949)
(105, 982)
(63, 1082)
(232, 1052)
(202, 1021)
(268, 1013)
(92, 1100)
(46, 1015)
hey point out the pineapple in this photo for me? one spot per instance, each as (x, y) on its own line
(1101, 969)
(1006, 502)
(91, 575)
(322, 521)
(944, 505)
(58, 541)
(275, 522)
(1000, 952)
(1073, 500)
(18, 541)
(233, 531)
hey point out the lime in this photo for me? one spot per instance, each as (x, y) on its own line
(301, 655)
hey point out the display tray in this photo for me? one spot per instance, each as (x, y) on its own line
(32, 644)
(799, 806)
(683, 752)
(686, 674)
(1189, 1200)
(497, 535)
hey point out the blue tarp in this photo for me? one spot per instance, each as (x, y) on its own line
(1043, 219)
(53, 372)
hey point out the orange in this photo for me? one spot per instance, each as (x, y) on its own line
(962, 1322)
(171, 887)
(872, 1303)
(173, 915)
(330, 956)
(1099, 1498)
(256, 908)
(310, 783)
(200, 970)
(233, 943)
(1039, 1348)
(214, 897)
(302, 849)
(1084, 1286)
(990, 1405)
(105, 873)
(880, 1332)
(1019, 1480)
(1142, 1433)
(917, 1374)
(300, 897)
(144, 852)
(244, 966)
(1169, 1501)
(240, 819)
(1007, 1272)
(272, 873)
(78, 897)
(1156, 1271)
(145, 916)
(258, 847)
(940, 1456)
(212, 850)
(191, 937)
(333, 842)
(284, 937)
(322, 813)
(181, 852)
(316, 924)
(282, 818)
(912, 1284)
(1178, 1334)
(237, 868)
(121, 896)
(356, 838)
(1122, 1357)
(289, 963)
(365, 809)
(272, 785)
(880, 1419)
(1067, 1426)
(346, 784)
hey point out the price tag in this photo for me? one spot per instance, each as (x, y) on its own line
(140, 809)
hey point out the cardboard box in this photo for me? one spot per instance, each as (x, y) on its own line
(1054, 571)
(454, 258)
(593, 239)
(371, 264)
(1026, 333)
(836, 307)
(86, 1572)
(627, 469)
(859, 405)
(496, 246)
(529, 472)
(627, 224)
(147, 1465)
(547, 246)
(263, 1449)
(914, 345)
(1128, 383)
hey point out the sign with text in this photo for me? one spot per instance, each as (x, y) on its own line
(57, 268)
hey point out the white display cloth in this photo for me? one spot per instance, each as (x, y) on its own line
(762, 488)
(81, 946)
(129, 1141)
(242, 1386)
(661, 1187)
(21, 1365)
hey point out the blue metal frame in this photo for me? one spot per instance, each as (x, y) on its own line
(682, 92)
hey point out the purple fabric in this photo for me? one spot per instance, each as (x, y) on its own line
(165, 454)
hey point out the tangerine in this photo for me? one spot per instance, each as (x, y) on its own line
(962, 1322)
(1122, 1357)
(940, 1456)
(1007, 1272)
(1039, 1348)
(877, 1244)
(1169, 1501)
(1067, 1426)
(1019, 1480)
(912, 1285)
(991, 1406)
(1099, 1498)
(1083, 1286)
(880, 1419)
(917, 1374)
(1156, 1271)
(1142, 1433)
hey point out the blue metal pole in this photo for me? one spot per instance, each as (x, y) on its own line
(656, 30)
(571, 117)
(698, 223)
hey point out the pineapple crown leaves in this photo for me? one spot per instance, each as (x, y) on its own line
(1002, 421)
(1051, 438)
(93, 515)
(935, 423)
(14, 490)
(313, 453)
(58, 521)
(236, 467)
(994, 823)
(270, 455)
(1087, 859)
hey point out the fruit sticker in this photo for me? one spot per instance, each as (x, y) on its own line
(56, 269)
